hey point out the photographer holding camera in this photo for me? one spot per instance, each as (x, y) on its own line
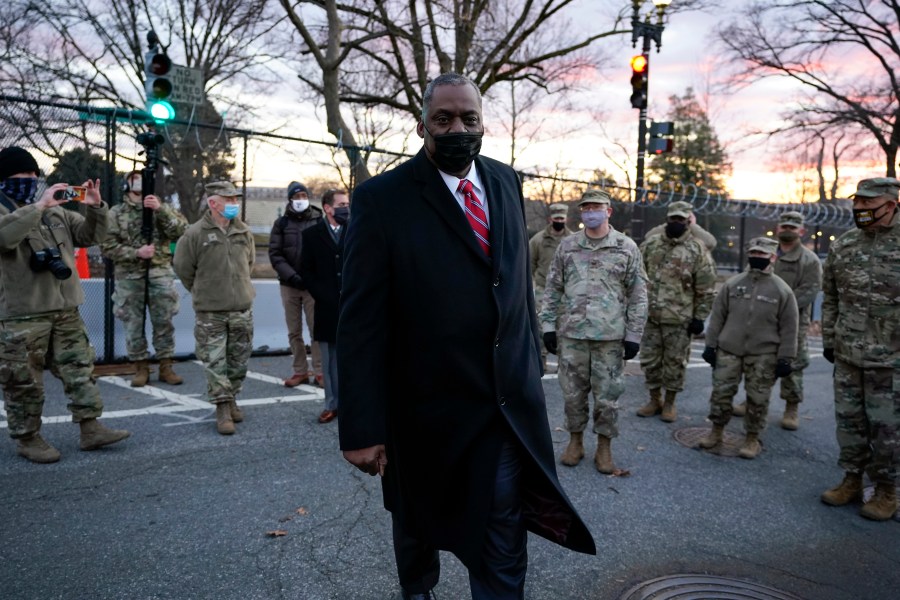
(39, 297)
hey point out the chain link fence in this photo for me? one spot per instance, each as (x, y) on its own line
(73, 143)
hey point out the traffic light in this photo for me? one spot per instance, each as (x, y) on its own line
(158, 85)
(639, 74)
(661, 137)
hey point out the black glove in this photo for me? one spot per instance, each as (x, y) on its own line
(631, 349)
(295, 281)
(695, 327)
(709, 355)
(550, 342)
(828, 353)
(783, 367)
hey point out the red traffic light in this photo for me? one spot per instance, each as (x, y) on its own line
(160, 64)
(639, 63)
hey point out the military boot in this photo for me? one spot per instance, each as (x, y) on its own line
(751, 447)
(167, 374)
(653, 406)
(849, 490)
(668, 410)
(95, 435)
(224, 422)
(883, 503)
(714, 438)
(790, 421)
(603, 458)
(142, 374)
(34, 448)
(236, 414)
(739, 410)
(574, 452)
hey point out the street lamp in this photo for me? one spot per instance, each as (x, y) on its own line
(648, 32)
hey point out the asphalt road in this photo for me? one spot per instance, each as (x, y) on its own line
(180, 512)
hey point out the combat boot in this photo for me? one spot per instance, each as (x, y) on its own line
(34, 448)
(236, 414)
(849, 490)
(167, 374)
(668, 410)
(95, 435)
(142, 374)
(224, 422)
(883, 503)
(751, 447)
(714, 438)
(574, 452)
(653, 406)
(603, 458)
(790, 421)
(739, 410)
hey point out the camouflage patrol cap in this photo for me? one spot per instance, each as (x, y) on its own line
(792, 218)
(222, 188)
(763, 244)
(877, 186)
(595, 197)
(680, 209)
(559, 210)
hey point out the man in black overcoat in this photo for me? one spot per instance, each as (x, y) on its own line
(440, 363)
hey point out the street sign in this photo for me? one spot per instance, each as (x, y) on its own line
(187, 86)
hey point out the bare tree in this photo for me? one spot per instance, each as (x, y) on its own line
(813, 43)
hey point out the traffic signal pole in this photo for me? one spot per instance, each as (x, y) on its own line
(638, 216)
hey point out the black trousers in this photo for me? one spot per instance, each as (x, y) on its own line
(505, 553)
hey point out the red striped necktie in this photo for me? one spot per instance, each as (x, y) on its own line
(475, 214)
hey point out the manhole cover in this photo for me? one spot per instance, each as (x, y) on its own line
(870, 489)
(691, 436)
(703, 587)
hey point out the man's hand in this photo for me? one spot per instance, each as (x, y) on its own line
(695, 327)
(828, 353)
(370, 460)
(783, 368)
(47, 198)
(631, 349)
(152, 202)
(550, 342)
(92, 193)
(295, 281)
(146, 251)
(709, 355)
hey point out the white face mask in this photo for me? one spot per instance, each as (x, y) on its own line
(136, 184)
(299, 205)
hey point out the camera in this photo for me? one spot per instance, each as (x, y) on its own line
(49, 259)
(73, 193)
(149, 138)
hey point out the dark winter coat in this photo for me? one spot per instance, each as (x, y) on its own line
(285, 243)
(320, 267)
(438, 351)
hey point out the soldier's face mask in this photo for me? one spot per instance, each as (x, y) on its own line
(863, 217)
(20, 190)
(788, 235)
(675, 229)
(558, 225)
(759, 263)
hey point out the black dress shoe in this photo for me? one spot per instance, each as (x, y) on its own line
(429, 595)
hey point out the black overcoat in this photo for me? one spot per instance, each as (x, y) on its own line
(321, 262)
(438, 351)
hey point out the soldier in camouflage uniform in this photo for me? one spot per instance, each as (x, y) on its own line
(126, 247)
(39, 321)
(594, 307)
(861, 336)
(752, 333)
(680, 294)
(213, 259)
(541, 248)
(802, 270)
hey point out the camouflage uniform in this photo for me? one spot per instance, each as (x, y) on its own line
(861, 323)
(224, 342)
(541, 249)
(122, 242)
(681, 287)
(753, 324)
(802, 270)
(595, 297)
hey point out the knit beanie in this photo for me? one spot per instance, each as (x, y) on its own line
(295, 187)
(14, 160)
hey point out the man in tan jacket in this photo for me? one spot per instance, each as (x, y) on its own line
(752, 333)
(213, 259)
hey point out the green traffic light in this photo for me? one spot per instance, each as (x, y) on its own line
(161, 110)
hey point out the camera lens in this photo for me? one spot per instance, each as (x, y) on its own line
(59, 269)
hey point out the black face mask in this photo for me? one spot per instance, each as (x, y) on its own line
(788, 235)
(557, 226)
(758, 263)
(866, 216)
(342, 215)
(675, 229)
(453, 152)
